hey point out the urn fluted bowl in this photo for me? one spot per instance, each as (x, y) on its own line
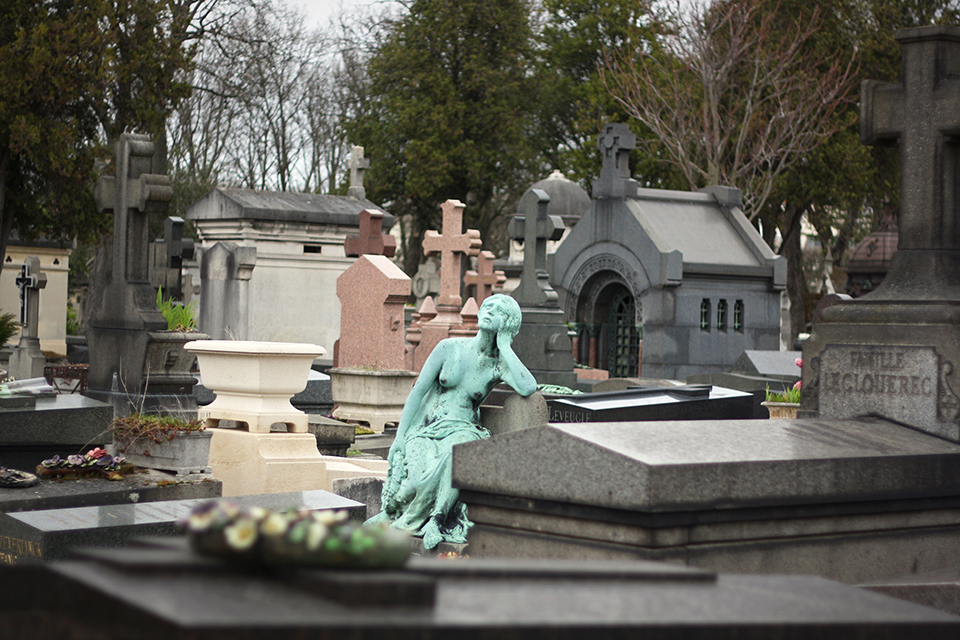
(254, 381)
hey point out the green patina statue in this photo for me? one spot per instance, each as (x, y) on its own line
(442, 410)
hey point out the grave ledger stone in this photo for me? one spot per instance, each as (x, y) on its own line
(159, 590)
(49, 534)
(27, 360)
(895, 352)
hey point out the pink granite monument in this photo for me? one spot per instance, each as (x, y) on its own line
(372, 240)
(372, 293)
(371, 382)
(452, 245)
(484, 279)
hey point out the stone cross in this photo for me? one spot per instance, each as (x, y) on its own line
(615, 143)
(168, 255)
(535, 227)
(370, 241)
(30, 281)
(484, 278)
(131, 195)
(452, 244)
(358, 164)
(921, 113)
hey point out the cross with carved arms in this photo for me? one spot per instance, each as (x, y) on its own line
(615, 143)
(357, 164)
(452, 245)
(535, 227)
(922, 115)
(370, 241)
(484, 278)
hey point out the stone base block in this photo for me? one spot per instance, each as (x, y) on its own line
(258, 413)
(253, 463)
(373, 397)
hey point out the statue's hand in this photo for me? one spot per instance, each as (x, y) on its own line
(504, 342)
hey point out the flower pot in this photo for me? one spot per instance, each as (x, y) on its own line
(782, 410)
(186, 452)
(254, 381)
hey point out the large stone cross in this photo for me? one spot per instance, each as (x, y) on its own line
(534, 227)
(484, 278)
(357, 164)
(921, 113)
(131, 195)
(452, 245)
(615, 143)
(30, 281)
(371, 240)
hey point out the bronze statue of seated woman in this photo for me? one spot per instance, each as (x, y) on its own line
(442, 410)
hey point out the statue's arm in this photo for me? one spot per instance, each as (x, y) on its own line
(427, 378)
(514, 372)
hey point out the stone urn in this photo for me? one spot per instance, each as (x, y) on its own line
(254, 381)
(369, 395)
(782, 410)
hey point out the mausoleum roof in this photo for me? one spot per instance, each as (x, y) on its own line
(694, 224)
(567, 198)
(284, 206)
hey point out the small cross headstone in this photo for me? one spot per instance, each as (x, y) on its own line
(358, 164)
(542, 343)
(452, 245)
(371, 240)
(168, 255)
(484, 278)
(30, 281)
(615, 144)
(534, 227)
(27, 360)
(426, 281)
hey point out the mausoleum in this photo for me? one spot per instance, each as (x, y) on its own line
(685, 272)
(299, 256)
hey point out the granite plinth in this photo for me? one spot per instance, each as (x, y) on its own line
(780, 364)
(853, 500)
(690, 402)
(58, 425)
(160, 592)
(34, 536)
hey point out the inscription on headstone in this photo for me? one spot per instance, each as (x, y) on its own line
(885, 380)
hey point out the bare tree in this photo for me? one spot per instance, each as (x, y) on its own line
(731, 94)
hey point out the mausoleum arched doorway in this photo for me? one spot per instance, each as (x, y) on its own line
(609, 328)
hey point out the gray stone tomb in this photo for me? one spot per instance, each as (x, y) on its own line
(158, 589)
(685, 272)
(27, 360)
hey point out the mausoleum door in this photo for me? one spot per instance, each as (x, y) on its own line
(622, 335)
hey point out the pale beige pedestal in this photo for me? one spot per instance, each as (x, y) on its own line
(256, 463)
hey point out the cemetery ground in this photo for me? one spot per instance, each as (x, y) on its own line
(665, 510)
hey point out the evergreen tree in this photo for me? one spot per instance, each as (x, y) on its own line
(449, 115)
